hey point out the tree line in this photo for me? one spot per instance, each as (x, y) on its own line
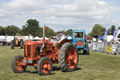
(32, 27)
(99, 30)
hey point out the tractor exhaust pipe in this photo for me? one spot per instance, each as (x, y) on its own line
(44, 35)
(41, 50)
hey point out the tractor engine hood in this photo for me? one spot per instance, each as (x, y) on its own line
(30, 42)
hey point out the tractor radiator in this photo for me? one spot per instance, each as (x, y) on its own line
(79, 43)
(28, 50)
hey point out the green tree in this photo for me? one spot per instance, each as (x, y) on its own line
(89, 34)
(97, 30)
(55, 33)
(18, 34)
(119, 29)
(2, 31)
(111, 30)
(69, 31)
(31, 27)
(49, 32)
(11, 30)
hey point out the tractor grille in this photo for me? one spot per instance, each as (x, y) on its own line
(28, 50)
(79, 43)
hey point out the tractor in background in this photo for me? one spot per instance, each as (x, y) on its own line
(17, 43)
(78, 39)
(42, 55)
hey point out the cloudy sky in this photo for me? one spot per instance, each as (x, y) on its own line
(61, 14)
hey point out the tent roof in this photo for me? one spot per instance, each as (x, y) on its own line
(45, 38)
(36, 37)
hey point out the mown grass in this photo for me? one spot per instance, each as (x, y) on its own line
(96, 66)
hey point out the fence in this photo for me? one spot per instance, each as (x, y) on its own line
(105, 48)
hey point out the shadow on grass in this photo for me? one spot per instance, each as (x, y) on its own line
(81, 54)
(56, 68)
(78, 69)
(73, 71)
(35, 72)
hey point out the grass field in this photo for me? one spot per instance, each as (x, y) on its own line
(96, 66)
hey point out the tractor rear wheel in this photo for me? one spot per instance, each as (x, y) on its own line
(44, 66)
(21, 44)
(12, 44)
(68, 57)
(16, 64)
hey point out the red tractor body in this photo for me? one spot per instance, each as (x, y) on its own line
(41, 54)
(32, 52)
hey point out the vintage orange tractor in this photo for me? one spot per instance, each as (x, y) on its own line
(42, 54)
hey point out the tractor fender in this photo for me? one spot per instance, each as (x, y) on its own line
(63, 41)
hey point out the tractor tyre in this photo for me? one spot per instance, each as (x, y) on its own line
(12, 44)
(16, 64)
(68, 57)
(21, 44)
(44, 66)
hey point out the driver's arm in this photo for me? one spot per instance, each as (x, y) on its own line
(63, 37)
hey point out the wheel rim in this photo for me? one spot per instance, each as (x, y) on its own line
(71, 57)
(45, 67)
(18, 64)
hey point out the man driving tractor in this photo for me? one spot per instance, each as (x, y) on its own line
(60, 36)
(56, 40)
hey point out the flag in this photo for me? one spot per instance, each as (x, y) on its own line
(118, 32)
(115, 32)
(105, 36)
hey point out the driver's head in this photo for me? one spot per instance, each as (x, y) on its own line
(78, 35)
(60, 32)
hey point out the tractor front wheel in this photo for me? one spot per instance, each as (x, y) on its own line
(68, 57)
(16, 64)
(44, 66)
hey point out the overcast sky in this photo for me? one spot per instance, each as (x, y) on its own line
(61, 14)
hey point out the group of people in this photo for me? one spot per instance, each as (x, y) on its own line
(114, 46)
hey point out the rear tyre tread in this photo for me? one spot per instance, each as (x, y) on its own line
(61, 57)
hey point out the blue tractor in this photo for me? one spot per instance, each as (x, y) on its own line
(78, 39)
